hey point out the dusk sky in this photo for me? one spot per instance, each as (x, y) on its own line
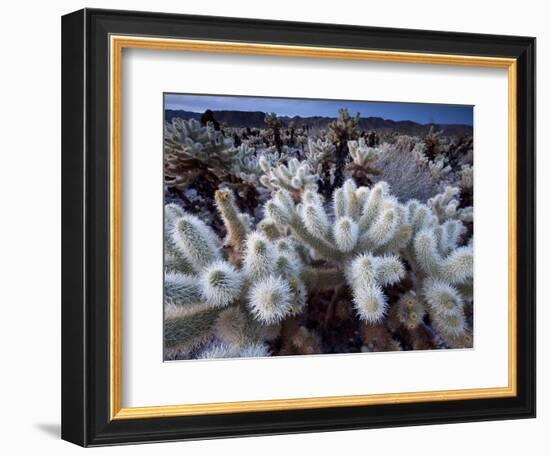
(418, 112)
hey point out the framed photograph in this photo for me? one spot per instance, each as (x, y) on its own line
(279, 227)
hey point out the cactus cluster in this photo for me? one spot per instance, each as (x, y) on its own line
(285, 240)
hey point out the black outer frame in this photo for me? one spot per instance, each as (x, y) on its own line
(85, 227)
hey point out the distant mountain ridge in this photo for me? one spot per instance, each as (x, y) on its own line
(255, 119)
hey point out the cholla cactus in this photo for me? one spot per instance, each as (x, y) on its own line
(446, 206)
(443, 270)
(433, 142)
(446, 309)
(438, 256)
(274, 124)
(224, 350)
(363, 158)
(342, 130)
(408, 312)
(361, 154)
(467, 185)
(245, 164)
(467, 177)
(272, 156)
(367, 274)
(187, 144)
(321, 157)
(380, 259)
(265, 285)
(236, 223)
(319, 153)
(438, 168)
(220, 284)
(270, 299)
(186, 327)
(189, 137)
(367, 228)
(192, 150)
(295, 178)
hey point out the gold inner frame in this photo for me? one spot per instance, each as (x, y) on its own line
(117, 44)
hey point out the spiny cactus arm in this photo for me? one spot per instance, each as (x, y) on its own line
(339, 203)
(458, 266)
(466, 289)
(224, 350)
(221, 284)
(237, 326)
(452, 231)
(271, 157)
(346, 234)
(438, 168)
(370, 302)
(388, 269)
(175, 261)
(363, 156)
(276, 183)
(450, 326)
(270, 300)
(245, 164)
(399, 241)
(269, 228)
(254, 350)
(440, 238)
(196, 241)
(446, 308)
(426, 253)
(467, 177)
(232, 219)
(372, 205)
(259, 256)
(318, 152)
(172, 212)
(442, 297)
(180, 289)
(232, 326)
(362, 194)
(322, 247)
(351, 199)
(454, 268)
(445, 206)
(294, 178)
(279, 211)
(420, 216)
(303, 179)
(186, 327)
(382, 230)
(368, 298)
(466, 214)
(315, 219)
(287, 265)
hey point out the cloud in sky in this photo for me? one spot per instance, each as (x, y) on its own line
(418, 112)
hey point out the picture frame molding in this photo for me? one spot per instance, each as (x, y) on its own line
(92, 44)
